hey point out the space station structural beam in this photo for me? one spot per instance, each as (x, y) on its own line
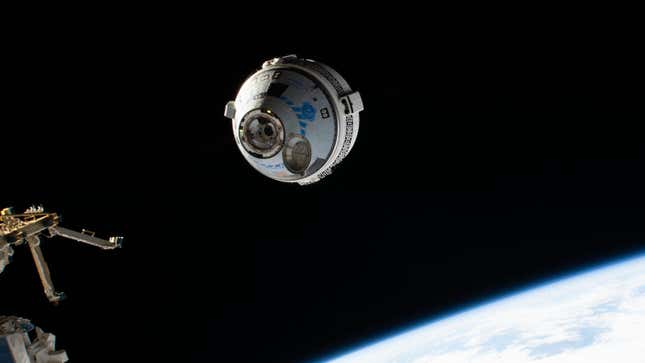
(109, 244)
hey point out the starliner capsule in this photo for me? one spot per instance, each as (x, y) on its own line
(295, 119)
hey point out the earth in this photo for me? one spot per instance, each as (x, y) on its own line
(592, 316)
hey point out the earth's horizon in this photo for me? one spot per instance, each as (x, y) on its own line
(597, 315)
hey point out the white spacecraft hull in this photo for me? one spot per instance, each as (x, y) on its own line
(17, 347)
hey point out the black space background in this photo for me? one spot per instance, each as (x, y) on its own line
(490, 156)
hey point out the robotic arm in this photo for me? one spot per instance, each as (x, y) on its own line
(17, 229)
(43, 270)
(87, 237)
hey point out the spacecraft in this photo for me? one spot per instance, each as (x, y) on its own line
(295, 119)
(28, 227)
(22, 342)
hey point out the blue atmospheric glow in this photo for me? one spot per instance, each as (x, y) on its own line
(580, 272)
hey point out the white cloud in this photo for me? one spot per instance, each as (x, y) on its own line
(594, 317)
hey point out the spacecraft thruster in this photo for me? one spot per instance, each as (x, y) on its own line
(22, 342)
(295, 119)
(27, 227)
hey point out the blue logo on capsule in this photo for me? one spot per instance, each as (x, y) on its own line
(305, 113)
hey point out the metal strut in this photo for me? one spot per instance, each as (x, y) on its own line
(43, 270)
